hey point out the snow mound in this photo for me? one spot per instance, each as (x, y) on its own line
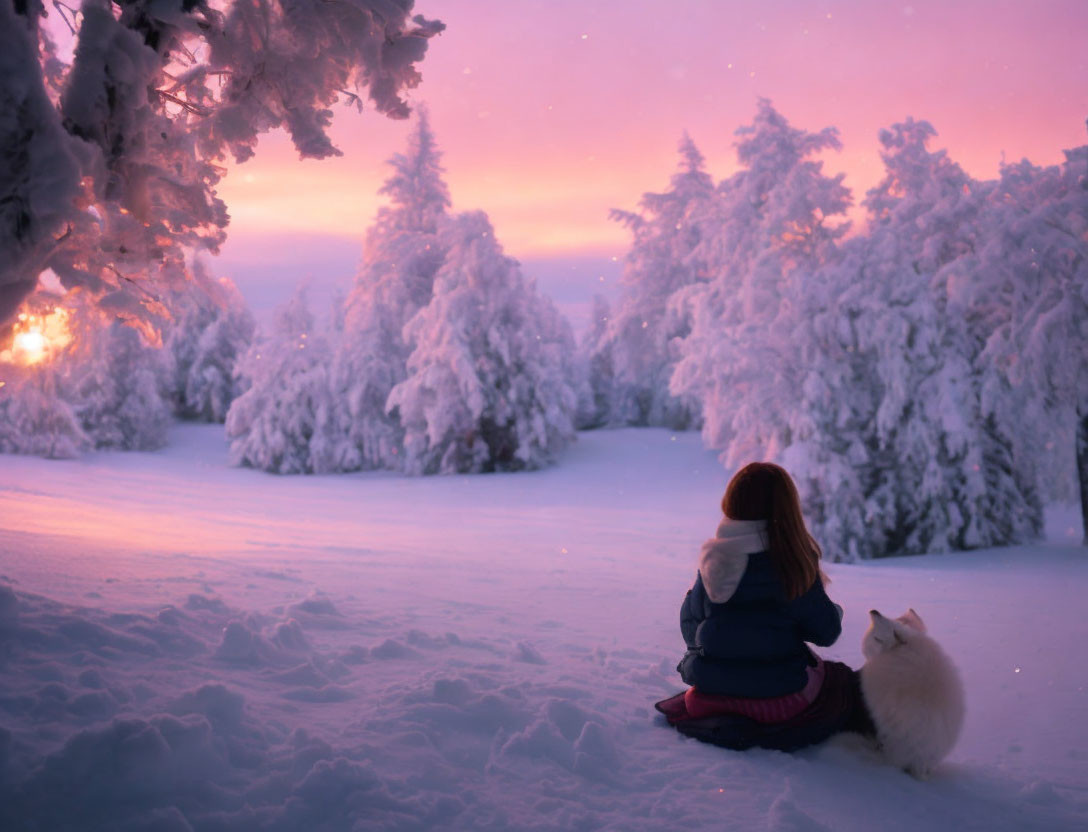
(527, 653)
(785, 815)
(315, 603)
(9, 604)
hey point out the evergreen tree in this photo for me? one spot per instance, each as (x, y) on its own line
(823, 429)
(595, 398)
(211, 328)
(282, 423)
(773, 223)
(113, 383)
(90, 382)
(763, 325)
(401, 256)
(944, 473)
(641, 343)
(35, 420)
(1030, 291)
(489, 377)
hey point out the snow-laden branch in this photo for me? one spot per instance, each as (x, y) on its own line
(111, 166)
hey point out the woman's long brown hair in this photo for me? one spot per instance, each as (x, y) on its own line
(764, 491)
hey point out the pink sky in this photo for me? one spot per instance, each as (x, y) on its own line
(551, 112)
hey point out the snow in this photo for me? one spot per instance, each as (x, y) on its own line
(189, 646)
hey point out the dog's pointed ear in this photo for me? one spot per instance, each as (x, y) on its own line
(912, 619)
(881, 627)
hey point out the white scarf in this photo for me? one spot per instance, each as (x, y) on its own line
(725, 556)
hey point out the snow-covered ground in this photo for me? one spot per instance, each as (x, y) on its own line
(188, 646)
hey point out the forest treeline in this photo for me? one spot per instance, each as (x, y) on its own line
(925, 376)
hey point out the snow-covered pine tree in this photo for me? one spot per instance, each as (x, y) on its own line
(1031, 291)
(283, 421)
(489, 385)
(338, 306)
(767, 354)
(826, 425)
(595, 396)
(942, 471)
(641, 341)
(775, 221)
(112, 382)
(401, 255)
(34, 419)
(210, 330)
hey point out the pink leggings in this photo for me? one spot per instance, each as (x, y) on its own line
(774, 709)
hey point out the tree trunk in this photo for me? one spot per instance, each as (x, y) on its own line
(1082, 468)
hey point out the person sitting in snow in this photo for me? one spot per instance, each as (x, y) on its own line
(758, 601)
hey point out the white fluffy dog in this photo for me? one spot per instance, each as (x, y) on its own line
(913, 692)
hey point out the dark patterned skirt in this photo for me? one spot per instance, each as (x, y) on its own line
(838, 707)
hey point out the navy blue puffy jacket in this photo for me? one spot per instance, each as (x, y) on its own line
(753, 644)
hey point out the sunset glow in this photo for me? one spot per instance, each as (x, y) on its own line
(36, 338)
(550, 114)
(30, 346)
